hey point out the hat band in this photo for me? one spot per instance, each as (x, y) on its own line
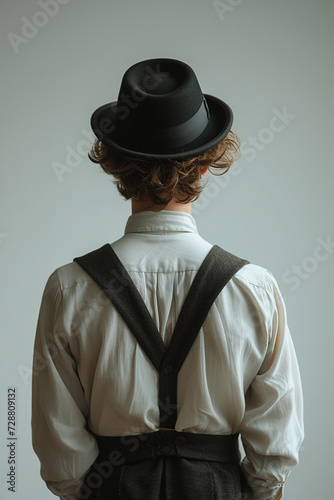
(184, 133)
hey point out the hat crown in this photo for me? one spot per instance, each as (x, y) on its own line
(166, 90)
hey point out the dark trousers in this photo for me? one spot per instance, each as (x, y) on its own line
(122, 475)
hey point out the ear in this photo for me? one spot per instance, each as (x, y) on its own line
(204, 170)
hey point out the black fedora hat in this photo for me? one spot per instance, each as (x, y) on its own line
(162, 113)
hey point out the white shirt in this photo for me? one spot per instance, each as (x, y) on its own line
(90, 374)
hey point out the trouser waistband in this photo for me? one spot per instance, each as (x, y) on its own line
(169, 443)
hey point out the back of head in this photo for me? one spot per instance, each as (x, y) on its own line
(162, 132)
(163, 180)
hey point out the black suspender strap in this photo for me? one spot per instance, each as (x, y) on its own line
(104, 266)
(216, 270)
(219, 266)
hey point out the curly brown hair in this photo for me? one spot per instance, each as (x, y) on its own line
(161, 181)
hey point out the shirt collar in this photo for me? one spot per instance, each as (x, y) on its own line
(162, 221)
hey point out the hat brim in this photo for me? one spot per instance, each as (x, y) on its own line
(220, 123)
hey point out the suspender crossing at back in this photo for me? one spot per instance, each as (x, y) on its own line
(106, 269)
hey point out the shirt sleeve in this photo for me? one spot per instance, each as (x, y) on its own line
(272, 429)
(65, 447)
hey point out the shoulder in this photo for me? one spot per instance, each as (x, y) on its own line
(255, 276)
(67, 276)
(255, 288)
(249, 274)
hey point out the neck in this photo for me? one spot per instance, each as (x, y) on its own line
(173, 205)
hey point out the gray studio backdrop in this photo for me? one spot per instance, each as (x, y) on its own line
(272, 62)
